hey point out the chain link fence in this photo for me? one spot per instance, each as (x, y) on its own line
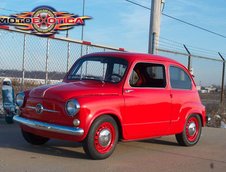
(30, 61)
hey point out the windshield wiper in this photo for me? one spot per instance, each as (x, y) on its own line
(93, 78)
(73, 76)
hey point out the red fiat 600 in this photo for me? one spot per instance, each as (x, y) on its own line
(106, 97)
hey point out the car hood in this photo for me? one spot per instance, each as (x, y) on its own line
(64, 91)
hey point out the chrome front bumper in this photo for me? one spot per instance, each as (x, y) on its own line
(49, 127)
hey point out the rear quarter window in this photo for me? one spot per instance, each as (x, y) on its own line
(179, 79)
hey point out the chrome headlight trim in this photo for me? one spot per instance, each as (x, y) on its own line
(20, 99)
(72, 107)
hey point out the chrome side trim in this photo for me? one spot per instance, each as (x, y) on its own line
(49, 127)
(44, 110)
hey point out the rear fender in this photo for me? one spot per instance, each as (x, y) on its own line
(185, 112)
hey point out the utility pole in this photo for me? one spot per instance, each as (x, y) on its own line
(154, 28)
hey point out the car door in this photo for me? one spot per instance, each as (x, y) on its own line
(183, 93)
(147, 101)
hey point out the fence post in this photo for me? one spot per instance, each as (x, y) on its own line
(189, 57)
(47, 61)
(87, 51)
(68, 55)
(222, 81)
(23, 63)
(81, 50)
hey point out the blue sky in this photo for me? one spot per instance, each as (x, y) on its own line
(121, 24)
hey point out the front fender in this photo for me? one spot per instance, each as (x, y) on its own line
(93, 108)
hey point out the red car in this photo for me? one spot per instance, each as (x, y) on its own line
(111, 96)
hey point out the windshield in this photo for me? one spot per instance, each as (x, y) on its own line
(105, 69)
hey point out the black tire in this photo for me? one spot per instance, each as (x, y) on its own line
(9, 119)
(34, 139)
(187, 137)
(92, 145)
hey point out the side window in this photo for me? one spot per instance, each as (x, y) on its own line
(119, 69)
(179, 79)
(148, 75)
(118, 72)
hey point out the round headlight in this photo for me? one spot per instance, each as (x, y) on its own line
(72, 107)
(20, 99)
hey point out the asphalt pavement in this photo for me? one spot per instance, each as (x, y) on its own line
(160, 154)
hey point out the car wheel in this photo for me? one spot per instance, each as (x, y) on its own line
(102, 138)
(34, 139)
(191, 133)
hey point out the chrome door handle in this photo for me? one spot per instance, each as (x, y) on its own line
(128, 91)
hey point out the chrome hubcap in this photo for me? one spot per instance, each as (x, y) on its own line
(191, 128)
(105, 137)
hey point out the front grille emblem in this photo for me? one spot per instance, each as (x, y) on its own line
(39, 108)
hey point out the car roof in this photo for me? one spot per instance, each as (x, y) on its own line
(130, 56)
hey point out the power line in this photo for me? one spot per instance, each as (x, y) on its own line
(169, 41)
(135, 3)
(180, 20)
(196, 26)
(168, 44)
